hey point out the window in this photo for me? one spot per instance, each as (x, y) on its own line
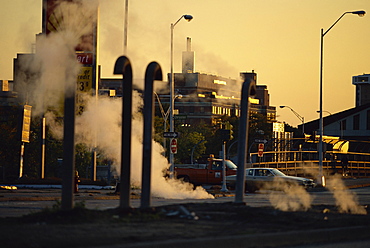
(216, 165)
(356, 122)
(343, 125)
(368, 120)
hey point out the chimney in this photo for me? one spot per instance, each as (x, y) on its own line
(188, 58)
(188, 44)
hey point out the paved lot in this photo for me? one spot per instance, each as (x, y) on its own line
(23, 201)
(27, 200)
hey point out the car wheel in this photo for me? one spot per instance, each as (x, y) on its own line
(250, 189)
(184, 178)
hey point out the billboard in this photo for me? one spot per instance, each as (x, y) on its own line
(26, 124)
(81, 19)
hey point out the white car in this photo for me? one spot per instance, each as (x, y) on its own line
(269, 178)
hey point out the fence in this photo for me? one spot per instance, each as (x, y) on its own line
(306, 163)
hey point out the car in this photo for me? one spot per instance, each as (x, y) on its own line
(269, 178)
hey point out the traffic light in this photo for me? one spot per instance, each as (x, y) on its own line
(230, 128)
(226, 131)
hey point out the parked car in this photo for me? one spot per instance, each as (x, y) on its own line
(210, 173)
(268, 178)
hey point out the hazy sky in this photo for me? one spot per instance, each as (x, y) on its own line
(278, 39)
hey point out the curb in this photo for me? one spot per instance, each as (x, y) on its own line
(278, 239)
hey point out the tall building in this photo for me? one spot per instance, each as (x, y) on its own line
(206, 97)
(362, 83)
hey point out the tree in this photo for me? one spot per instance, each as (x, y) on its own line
(10, 144)
(189, 137)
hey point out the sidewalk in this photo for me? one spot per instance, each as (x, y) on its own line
(349, 182)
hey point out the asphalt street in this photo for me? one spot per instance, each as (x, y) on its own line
(28, 199)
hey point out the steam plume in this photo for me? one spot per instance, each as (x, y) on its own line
(346, 200)
(293, 198)
(100, 124)
(104, 119)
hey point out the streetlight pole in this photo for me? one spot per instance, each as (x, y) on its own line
(301, 118)
(165, 114)
(125, 29)
(321, 179)
(172, 87)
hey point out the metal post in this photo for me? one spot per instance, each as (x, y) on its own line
(69, 148)
(93, 164)
(224, 188)
(172, 86)
(172, 101)
(321, 179)
(125, 29)
(21, 161)
(248, 89)
(123, 66)
(153, 72)
(43, 137)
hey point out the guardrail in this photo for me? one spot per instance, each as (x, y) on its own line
(306, 163)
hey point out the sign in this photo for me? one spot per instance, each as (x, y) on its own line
(173, 146)
(261, 147)
(26, 123)
(260, 141)
(85, 58)
(278, 127)
(84, 86)
(170, 135)
(59, 16)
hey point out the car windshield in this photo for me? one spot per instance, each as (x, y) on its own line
(230, 165)
(278, 173)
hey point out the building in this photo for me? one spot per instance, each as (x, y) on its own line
(206, 97)
(362, 83)
(352, 124)
(7, 96)
(203, 98)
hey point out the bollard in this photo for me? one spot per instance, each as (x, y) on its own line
(153, 72)
(248, 89)
(123, 66)
(68, 148)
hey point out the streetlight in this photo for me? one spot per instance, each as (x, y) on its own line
(321, 179)
(165, 114)
(125, 29)
(301, 118)
(172, 86)
(318, 111)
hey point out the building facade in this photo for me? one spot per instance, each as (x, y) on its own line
(362, 83)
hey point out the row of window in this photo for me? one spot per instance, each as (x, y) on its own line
(356, 122)
(221, 111)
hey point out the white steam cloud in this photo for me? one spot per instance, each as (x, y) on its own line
(54, 66)
(346, 200)
(103, 118)
(293, 198)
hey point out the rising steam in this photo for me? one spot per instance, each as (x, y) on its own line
(293, 198)
(346, 200)
(103, 120)
(55, 67)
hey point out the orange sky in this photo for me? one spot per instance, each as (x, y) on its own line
(278, 39)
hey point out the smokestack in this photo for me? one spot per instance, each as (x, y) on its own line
(188, 44)
(251, 75)
(188, 58)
